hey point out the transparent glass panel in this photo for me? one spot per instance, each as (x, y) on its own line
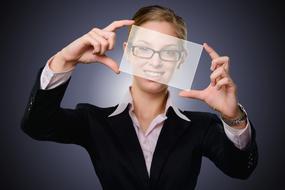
(160, 57)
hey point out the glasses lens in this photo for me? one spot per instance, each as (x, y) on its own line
(141, 51)
(170, 55)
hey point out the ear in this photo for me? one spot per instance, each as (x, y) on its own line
(124, 45)
(126, 53)
(181, 61)
(183, 57)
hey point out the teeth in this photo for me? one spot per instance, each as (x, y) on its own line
(153, 73)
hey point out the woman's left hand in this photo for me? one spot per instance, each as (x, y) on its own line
(221, 94)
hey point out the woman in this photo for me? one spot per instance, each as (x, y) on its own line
(144, 142)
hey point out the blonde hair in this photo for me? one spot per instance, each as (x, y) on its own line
(159, 13)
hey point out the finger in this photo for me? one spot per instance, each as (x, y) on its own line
(118, 24)
(220, 61)
(109, 62)
(217, 75)
(92, 42)
(213, 54)
(112, 40)
(224, 82)
(195, 94)
(103, 42)
(109, 36)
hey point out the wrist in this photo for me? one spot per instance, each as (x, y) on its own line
(239, 119)
(60, 64)
(234, 115)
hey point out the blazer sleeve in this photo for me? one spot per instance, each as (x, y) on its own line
(44, 119)
(225, 155)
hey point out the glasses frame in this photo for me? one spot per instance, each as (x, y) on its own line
(154, 52)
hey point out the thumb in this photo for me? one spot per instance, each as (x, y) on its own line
(195, 94)
(109, 62)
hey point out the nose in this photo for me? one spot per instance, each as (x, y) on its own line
(155, 61)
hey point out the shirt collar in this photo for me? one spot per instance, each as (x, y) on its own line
(127, 99)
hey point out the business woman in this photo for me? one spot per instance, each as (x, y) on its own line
(144, 142)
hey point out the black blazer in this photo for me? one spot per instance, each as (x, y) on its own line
(115, 150)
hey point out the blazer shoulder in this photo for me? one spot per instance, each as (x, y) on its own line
(203, 120)
(96, 109)
(199, 115)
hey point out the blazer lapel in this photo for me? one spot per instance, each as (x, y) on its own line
(172, 129)
(122, 125)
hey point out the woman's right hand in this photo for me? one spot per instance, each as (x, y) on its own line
(89, 48)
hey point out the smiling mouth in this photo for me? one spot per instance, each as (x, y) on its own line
(153, 73)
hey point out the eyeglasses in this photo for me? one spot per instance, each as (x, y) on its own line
(168, 55)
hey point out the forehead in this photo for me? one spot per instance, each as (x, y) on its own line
(153, 34)
(160, 26)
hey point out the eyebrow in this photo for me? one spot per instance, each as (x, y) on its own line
(148, 43)
(144, 42)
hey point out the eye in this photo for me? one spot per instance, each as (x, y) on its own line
(170, 53)
(142, 51)
(142, 48)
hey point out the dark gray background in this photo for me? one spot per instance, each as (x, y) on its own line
(250, 32)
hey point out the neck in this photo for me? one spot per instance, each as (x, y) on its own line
(147, 105)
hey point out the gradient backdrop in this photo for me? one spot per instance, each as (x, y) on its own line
(250, 32)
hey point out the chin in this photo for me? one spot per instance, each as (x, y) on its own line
(149, 85)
